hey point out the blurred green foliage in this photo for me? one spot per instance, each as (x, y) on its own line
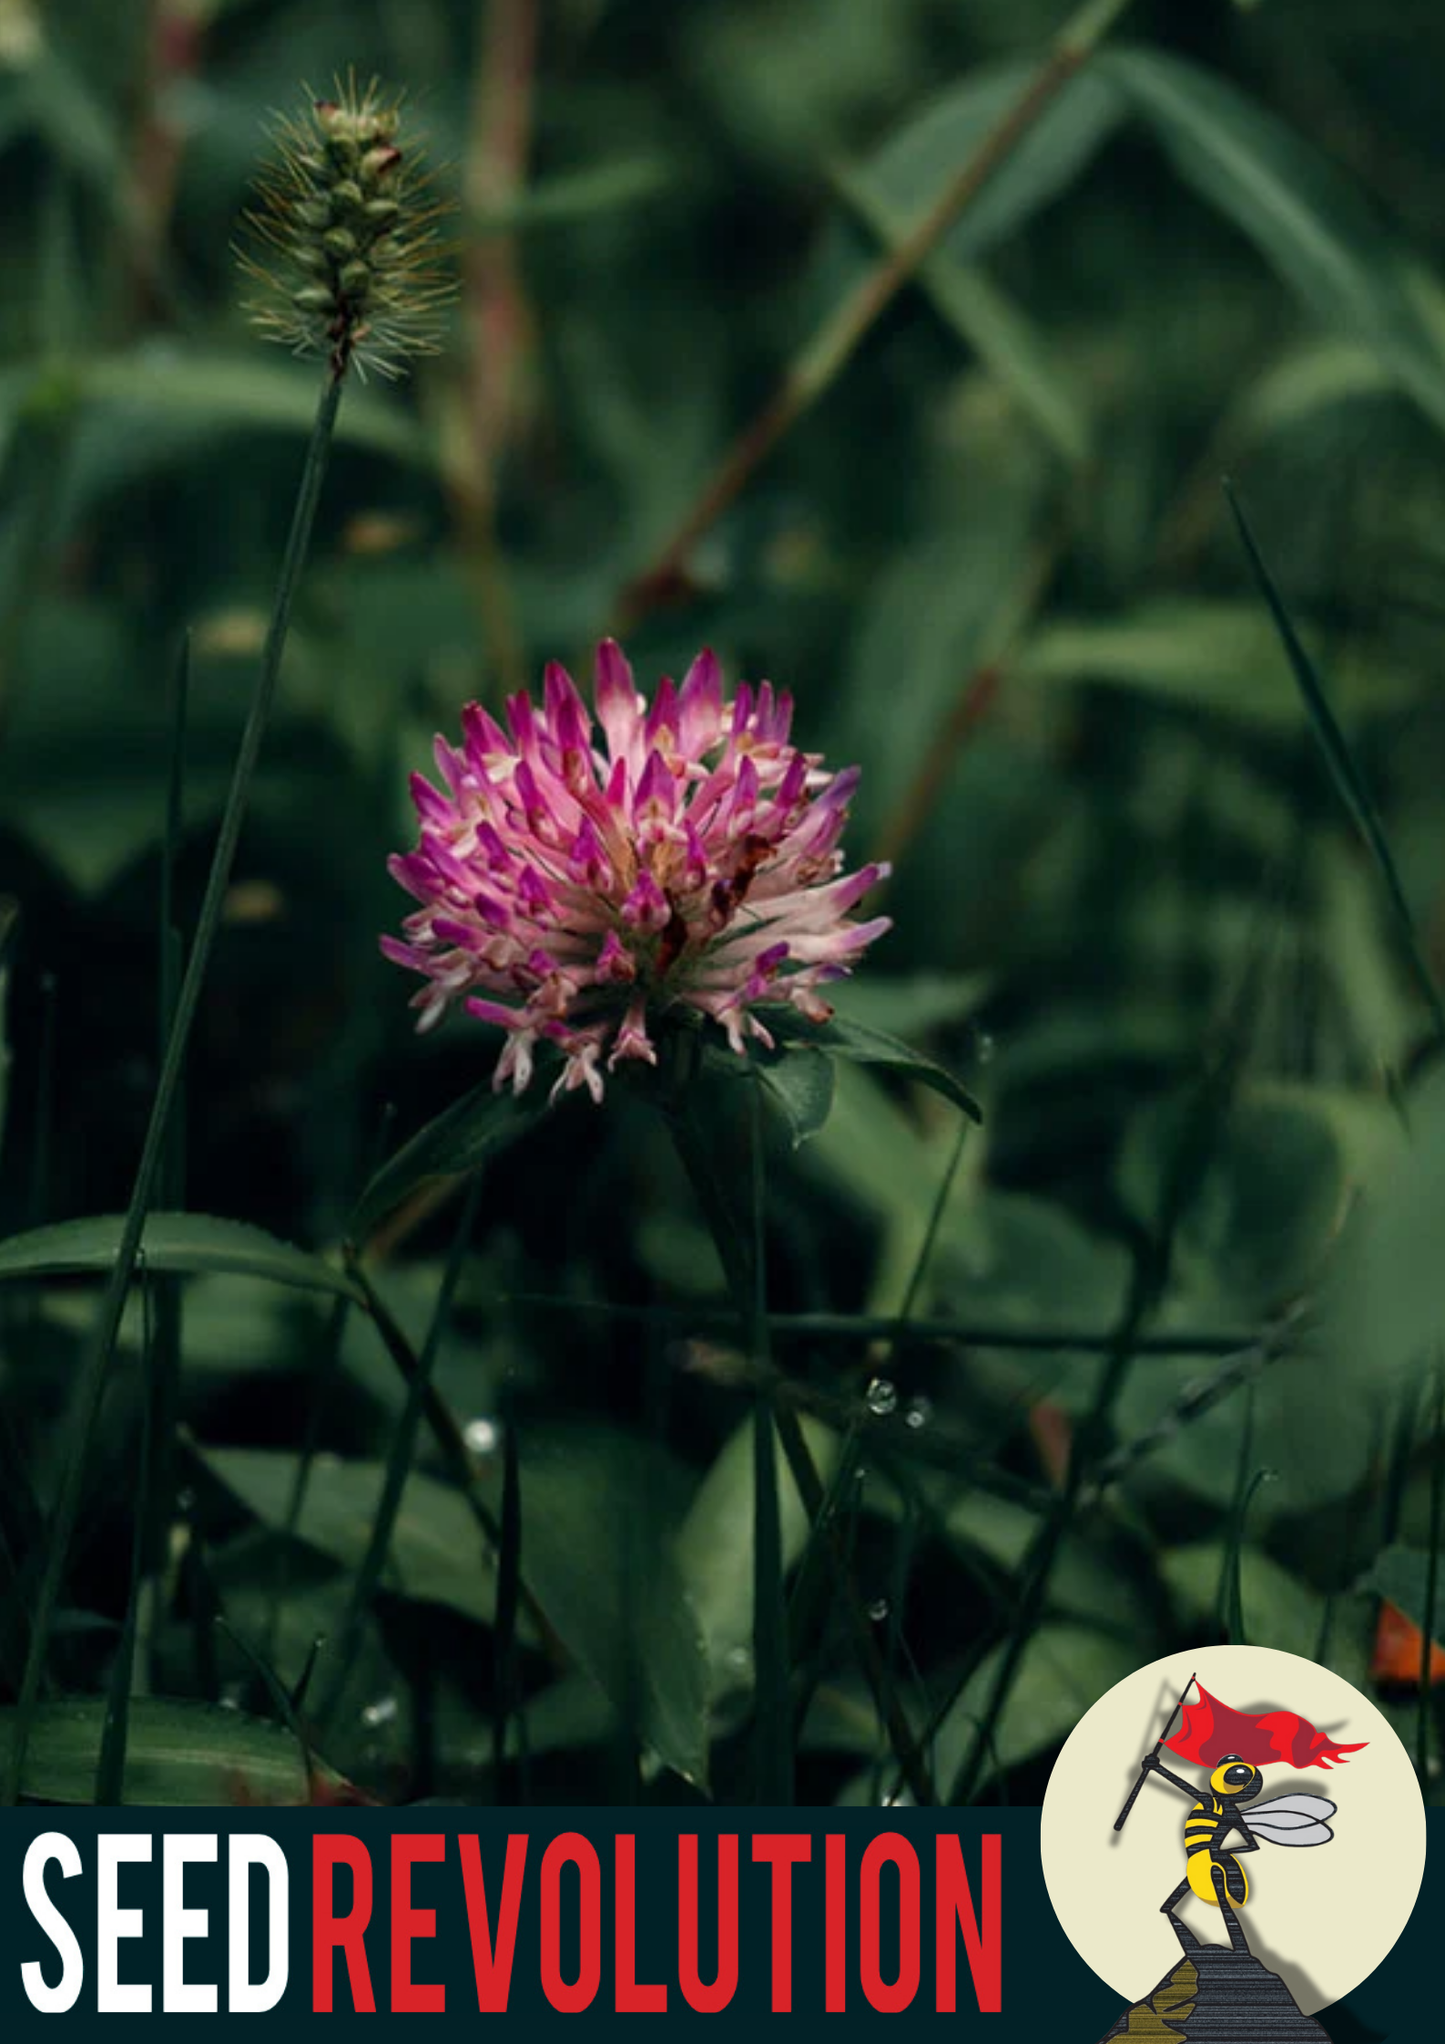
(994, 565)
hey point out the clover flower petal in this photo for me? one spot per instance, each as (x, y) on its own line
(576, 888)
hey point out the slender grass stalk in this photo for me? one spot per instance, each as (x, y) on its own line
(39, 1202)
(91, 1388)
(1151, 1272)
(324, 1377)
(1432, 1576)
(772, 1724)
(891, 1326)
(1234, 1603)
(164, 1380)
(738, 1253)
(1345, 771)
(509, 1586)
(401, 1452)
(815, 1575)
(817, 366)
(115, 1732)
(1227, 1599)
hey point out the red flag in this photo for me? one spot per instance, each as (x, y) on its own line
(1211, 1729)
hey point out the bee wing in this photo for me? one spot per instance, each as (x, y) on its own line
(1292, 1820)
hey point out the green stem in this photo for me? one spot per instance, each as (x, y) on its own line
(399, 1459)
(892, 1326)
(772, 1730)
(97, 1367)
(816, 367)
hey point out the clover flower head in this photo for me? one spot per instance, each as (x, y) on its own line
(578, 891)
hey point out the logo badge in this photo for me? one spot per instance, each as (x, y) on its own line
(1232, 1839)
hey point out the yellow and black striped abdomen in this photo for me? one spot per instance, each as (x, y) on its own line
(1199, 1829)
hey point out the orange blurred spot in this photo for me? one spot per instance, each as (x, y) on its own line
(1053, 1438)
(1398, 1648)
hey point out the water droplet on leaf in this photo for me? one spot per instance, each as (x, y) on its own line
(881, 1397)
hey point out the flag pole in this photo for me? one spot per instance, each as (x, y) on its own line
(1143, 1767)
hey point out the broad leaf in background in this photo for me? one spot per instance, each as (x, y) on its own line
(598, 1518)
(458, 1140)
(1388, 1305)
(1308, 220)
(1065, 1670)
(179, 1244)
(714, 1549)
(179, 1755)
(437, 1552)
(910, 171)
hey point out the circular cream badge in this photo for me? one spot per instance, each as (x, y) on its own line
(1226, 1820)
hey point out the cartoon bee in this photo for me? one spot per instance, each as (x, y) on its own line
(1215, 1875)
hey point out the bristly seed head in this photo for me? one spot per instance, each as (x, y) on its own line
(345, 251)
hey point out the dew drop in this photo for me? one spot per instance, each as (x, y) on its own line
(878, 1610)
(881, 1397)
(739, 1661)
(482, 1436)
(918, 1412)
(381, 1712)
(984, 1047)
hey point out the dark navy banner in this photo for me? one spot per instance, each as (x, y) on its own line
(542, 1915)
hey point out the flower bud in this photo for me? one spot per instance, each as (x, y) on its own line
(344, 245)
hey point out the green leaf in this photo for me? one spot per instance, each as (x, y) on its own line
(1086, 1582)
(1279, 1609)
(1268, 1203)
(1310, 223)
(1064, 1671)
(989, 323)
(596, 1560)
(714, 1548)
(180, 1755)
(911, 170)
(863, 1045)
(436, 1553)
(910, 1006)
(178, 1244)
(1221, 657)
(463, 1136)
(181, 392)
(799, 1083)
(597, 1555)
(1388, 1304)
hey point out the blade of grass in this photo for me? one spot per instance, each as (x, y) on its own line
(164, 1388)
(400, 1455)
(324, 1377)
(736, 1251)
(1227, 1606)
(110, 1766)
(891, 1326)
(1150, 1276)
(809, 1603)
(91, 1387)
(509, 1584)
(772, 1724)
(1344, 769)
